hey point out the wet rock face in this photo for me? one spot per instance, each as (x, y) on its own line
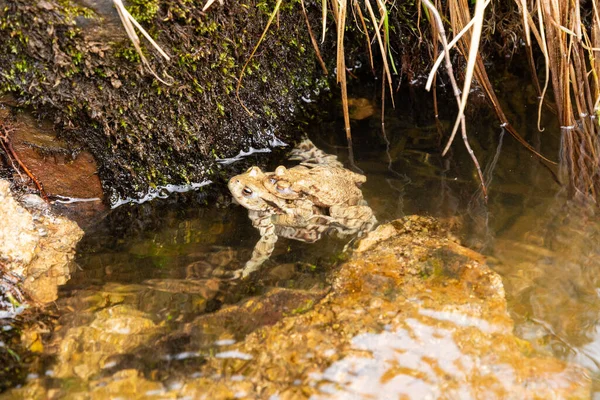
(36, 246)
(411, 314)
(62, 171)
(18, 237)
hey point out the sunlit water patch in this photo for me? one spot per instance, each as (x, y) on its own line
(416, 363)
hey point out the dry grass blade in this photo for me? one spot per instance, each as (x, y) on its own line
(460, 118)
(440, 58)
(547, 65)
(381, 46)
(523, 7)
(313, 40)
(324, 19)
(384, 13)
(128, 23)
(339, 9)
(471, 60)
(346, 113)
(565, 39)
(459, 17)
(237, 88)
(595, 43)
(366, 32)
(437, 20)
(340, 14)
(210, 3)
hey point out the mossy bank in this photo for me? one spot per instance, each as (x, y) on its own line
(73, 63)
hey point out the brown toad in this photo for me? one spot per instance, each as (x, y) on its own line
(300, 203)
(333, 188)
(274, 216)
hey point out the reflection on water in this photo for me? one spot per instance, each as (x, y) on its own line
(400, 364)
(406, 349)
(150, 275)
(550, 261)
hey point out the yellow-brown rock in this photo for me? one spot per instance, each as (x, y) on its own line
(411, 314)
(36, 246)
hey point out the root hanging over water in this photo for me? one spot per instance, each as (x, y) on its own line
(6, 130)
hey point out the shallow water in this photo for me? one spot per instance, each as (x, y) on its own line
(165, 258)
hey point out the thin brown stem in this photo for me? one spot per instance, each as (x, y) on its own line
(313, 40)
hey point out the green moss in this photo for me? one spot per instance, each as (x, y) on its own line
(128, 53)
(221, 109)
(76, 57)
(307, 306)
(21, 66)
(72, 10)
(269, 112)
(99, 71)
(207, 29)
(143, 10)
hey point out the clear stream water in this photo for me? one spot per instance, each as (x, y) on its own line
(544, 247)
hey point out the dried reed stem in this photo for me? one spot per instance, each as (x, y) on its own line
(128, 23)
(460, 119)
(313, 40)
(570, 46)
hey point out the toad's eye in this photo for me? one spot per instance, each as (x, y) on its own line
(247, 191)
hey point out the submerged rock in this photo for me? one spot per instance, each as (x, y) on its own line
(550, 262)
(36, 246)
(36, 250)
(114, 331)
(411, 314)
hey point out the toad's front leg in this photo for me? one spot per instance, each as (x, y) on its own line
(265, 246)
(261, 253)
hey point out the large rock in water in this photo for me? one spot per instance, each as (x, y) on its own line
(411, 314)
(36, 246)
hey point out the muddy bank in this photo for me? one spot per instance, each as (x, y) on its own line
(410, 313)
(72, 62)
